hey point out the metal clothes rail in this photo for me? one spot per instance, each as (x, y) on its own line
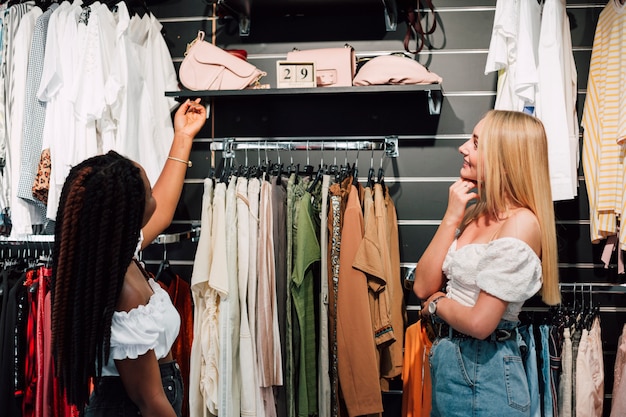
(388, 144)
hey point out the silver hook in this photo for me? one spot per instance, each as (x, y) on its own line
(308, 162)
(358, 147)
(258, 154)
(265, 149)
(246, 154)
(345, 162)
(335, 154)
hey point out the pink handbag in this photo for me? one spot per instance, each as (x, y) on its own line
(208, 67)
(394, 69)
(334, 67)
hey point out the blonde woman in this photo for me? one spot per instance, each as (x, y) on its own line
(495, 248)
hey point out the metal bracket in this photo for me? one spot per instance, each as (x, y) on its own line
(244, 25)
(391, 146)
(435, 99)
(229, 148)
(391, 15)
(193, 235)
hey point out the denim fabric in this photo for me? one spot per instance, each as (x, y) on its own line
(110, 399)
(472, 377)
(529, 355)
(546, 372)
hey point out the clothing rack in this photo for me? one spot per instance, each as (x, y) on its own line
(193, 235)
(25, 239)
(595, 288)
(388, 144)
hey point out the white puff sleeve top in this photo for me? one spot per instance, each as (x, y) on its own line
(152, 326)
(506, 268)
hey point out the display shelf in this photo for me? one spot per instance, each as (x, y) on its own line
(380, 110)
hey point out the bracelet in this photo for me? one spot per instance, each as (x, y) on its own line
(188, 163)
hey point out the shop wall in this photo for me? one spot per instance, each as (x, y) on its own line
(419, 177)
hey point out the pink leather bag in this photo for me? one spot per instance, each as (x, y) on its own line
(334, 67)
(394, 69)
(208, 67)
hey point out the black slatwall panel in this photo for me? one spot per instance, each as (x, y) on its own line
(420, 176)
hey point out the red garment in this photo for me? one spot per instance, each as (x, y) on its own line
(180, 294)
(30, 359)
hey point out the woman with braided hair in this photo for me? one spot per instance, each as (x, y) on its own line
(113, 325)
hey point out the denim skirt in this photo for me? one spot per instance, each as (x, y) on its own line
(472, 377)
(110, 399)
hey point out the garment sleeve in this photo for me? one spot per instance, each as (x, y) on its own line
(509, 270)
(137, 331)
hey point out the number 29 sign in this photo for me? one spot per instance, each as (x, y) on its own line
(295, 74)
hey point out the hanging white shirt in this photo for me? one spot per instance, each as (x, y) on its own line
(161, 77)
(58, 131)
(557, 97)
(20, 209)
(513, 53)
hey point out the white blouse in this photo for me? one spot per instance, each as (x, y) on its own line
(152, 326)
(506, 268)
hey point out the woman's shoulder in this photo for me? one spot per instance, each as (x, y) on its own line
(136, 290)
(523, 225)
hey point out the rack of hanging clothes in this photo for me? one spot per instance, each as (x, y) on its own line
(563, 349)
(29, 188)
(263, 146)
(289, 252)
(576, 342)
(27, 379)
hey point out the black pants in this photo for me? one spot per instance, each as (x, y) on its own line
(110, 399)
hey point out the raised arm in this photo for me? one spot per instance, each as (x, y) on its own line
(188, 120)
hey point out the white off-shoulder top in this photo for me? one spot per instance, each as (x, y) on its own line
(152, 326)
(506, 268)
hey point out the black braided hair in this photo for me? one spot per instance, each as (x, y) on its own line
(96, 233)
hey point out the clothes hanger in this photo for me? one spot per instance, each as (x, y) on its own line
(381, 174)
(370, 172)
(320, 173)
(277, 168)
(308, 168)
(355, 167)
(334, 168)
(165, 273)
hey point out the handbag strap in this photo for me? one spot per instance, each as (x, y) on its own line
(198, 38)
(414, 26)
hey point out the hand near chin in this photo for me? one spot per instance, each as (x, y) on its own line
(461, 192)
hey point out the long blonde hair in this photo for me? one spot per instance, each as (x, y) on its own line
(513, 168)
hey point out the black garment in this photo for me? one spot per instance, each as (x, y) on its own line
(12, 342)
(110, 399)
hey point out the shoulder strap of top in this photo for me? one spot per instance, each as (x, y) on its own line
(142, 269)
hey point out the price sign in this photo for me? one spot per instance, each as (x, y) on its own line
(295, 74)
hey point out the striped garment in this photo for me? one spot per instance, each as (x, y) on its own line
(604, 123)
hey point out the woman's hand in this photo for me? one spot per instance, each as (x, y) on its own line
(189, 118)
(459, 194)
